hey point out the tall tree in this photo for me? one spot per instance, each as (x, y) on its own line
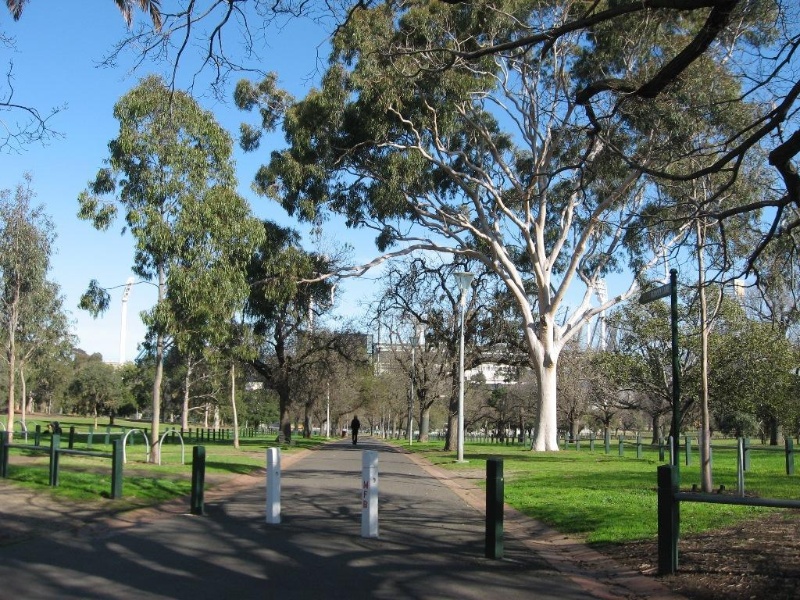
(43, 331)
(280, 310)
(26, 239)
(97, 388)
(171, 173)
(496, 160)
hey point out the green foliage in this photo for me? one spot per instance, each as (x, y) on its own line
(95, 299)
(753, 372)
(98, 388)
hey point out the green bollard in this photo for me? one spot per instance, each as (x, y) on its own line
(688, 444)
(55, 441)
(591, 441)
(3, 454)
(72, 437)
(669, 520)
(608, 442)
(90, 437)
(37, 436)
(107, 439)
(198, 479)
(622, 445)
(116, 469)
(789, 456)
(639, 450)
(494, 508)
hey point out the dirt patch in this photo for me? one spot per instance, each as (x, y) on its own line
(753, 560)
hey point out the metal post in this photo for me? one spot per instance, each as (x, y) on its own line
(369, 494)
(608, 441)
(622, 445)
(55, 441)
(591, 441)
(464, 281)
(789, 456)
(676, 367)
(3, 454)
(740, 467)
(273, 486)
(668, 519)
(116, 468)
(639, 449)
(72, 437)
(494, 507)
(688, 444)
(197, 501)
(37, 436)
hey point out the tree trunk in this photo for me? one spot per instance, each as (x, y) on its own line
(424, 423)
(656, 421)
(283, 407)
(233, 407)
(545, 436)
(155, 452)
(23, 393)
(11, 356)
(187, 383)
(773, 428)
(706, 482)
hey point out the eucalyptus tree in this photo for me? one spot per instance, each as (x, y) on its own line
(97, 388)
(170, 172)
(44, 331)
(496, 160)
(754, 377)
(26, 243)
(757, 40)
(640, 365)
(281, 308)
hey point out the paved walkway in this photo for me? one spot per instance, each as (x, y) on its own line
(430, 545)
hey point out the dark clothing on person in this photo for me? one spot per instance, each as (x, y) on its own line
(355, 425)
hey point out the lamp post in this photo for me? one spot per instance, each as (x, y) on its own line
(464, 281)
(417, 340)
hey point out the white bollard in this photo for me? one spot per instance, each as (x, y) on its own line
(273, 486)
(369, 494)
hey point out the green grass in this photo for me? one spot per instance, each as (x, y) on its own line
(608, 498)
(89, 478)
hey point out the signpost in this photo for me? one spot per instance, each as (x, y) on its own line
(671, 289)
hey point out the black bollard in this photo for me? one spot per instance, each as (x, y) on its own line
(494, 508)
(198, 479)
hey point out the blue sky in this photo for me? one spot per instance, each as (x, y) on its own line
(57, 48)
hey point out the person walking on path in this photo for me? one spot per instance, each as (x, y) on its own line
(355, 425)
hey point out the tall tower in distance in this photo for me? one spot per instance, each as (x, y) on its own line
(124, 325)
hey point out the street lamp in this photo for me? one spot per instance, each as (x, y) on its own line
(464, 280)
(417, 340)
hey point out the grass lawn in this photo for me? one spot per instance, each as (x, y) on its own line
(607, 498)
(89, 478)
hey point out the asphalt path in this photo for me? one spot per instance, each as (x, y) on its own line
(430, 545)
